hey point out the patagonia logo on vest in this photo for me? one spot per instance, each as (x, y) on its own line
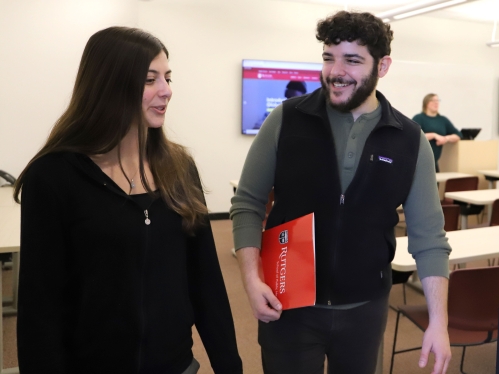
(385, 159)
(283, 237)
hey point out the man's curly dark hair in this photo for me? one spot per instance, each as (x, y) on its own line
(364, 28)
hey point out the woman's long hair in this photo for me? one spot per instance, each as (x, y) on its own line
(426, 100)
(106, 101)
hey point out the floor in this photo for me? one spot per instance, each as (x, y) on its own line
(479, 360)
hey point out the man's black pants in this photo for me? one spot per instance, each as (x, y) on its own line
(301, 339)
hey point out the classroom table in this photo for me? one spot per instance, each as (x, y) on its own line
(477, 197)
(10, 236)
(490, 175)
(467, 245)
(6, 198)
(446, 175)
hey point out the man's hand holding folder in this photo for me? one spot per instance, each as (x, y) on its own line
(265, 305)
(281, 275)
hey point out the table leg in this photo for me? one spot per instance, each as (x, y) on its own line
(489, 213)
(11, 308)
(415, 283)
(464, 222)
(1, 322)
(15, 279)
(9, 370)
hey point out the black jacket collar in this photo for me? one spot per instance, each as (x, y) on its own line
(86, 166)
(314, 104)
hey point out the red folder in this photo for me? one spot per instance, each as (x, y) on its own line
(288, 262)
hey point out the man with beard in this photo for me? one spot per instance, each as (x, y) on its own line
(344, 153)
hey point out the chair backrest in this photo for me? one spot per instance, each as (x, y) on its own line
(7, 177)
(461, 184)
(451, 216)
(474, 298)
(494, 218)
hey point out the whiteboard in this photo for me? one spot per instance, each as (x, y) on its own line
(468, 93)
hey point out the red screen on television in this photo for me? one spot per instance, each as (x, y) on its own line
(266, 84)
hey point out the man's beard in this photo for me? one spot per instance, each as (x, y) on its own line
(358, 97)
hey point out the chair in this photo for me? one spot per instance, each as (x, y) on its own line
(462, 184)
(6, 257)
(451, 216)
(494, 218)
(459, 184)
(8, 178)
(473, 304)
(401, 223)
(400, 277)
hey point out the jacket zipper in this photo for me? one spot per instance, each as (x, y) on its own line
(338, 221)
(147, 222)
(335, 251)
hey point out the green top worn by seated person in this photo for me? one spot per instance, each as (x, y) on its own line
(427, 241)
(439, 125)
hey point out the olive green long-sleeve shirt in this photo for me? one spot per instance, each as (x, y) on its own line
(427, 242)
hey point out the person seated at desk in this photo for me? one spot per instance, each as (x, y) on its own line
(437, 128)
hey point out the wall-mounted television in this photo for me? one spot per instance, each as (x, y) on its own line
(267, 83)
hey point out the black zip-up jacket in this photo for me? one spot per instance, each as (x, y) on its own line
(102, 292)
(354, 231)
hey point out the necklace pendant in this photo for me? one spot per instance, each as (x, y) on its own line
(132, 184)
(147, 220)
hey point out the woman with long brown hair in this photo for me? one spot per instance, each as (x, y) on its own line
(117, 255)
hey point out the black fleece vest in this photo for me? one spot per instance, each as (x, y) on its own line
(354, 231)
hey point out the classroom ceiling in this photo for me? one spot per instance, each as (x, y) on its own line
(486, 11)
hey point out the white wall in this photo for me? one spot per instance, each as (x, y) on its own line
(41, 43)
(208, 40)
(451, 59)
(40, 47)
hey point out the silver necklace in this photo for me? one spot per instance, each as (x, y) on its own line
(132, 183)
